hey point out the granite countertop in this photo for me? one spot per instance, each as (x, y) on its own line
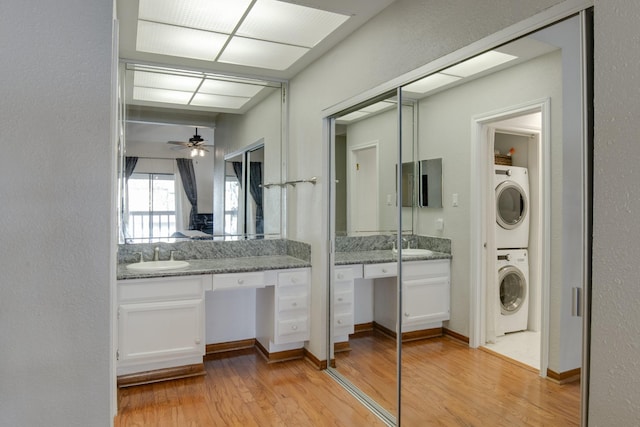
(380, 256)
(219, 266)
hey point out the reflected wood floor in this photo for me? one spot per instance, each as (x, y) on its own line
(445, 383)
(244, 390)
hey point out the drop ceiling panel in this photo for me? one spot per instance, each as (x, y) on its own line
(218, 101)
(161, 95)
(165, 81)
(178, 41)
(221, 87)
(211, 15)
(261, 54)
(289, 23)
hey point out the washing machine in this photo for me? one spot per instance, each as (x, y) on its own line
(513, 290)
(512, 207)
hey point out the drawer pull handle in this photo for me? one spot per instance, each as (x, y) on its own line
(294, 327)
(240, 281)
(339, 321)
(384, 270)
(340, 299)
(340, 276)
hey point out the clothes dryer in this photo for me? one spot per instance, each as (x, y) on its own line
(513, 290)
(512, 206)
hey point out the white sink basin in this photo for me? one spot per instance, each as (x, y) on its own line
(414, 252)
(158, 265)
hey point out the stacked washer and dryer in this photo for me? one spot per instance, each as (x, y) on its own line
(512, 241)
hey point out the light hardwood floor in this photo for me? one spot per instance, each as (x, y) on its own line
(444, 384)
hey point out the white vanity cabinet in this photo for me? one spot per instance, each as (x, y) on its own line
(160, 323)
(283, 311)
(343, 300)
(425, 292)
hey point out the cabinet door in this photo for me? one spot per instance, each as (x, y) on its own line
(425, 300)
(160, 331)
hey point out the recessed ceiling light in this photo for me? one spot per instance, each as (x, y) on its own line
(479, 63)
(178, 41)
(212, 15)
(262, 54)
(165, 81)
(430, 83)
(218, 101)
(161, 95)
(289, 23)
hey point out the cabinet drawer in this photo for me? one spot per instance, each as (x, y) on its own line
(293, 278)
(239, 280)
(161, 289)
(435, 268)
(348, 273)
(388, 269)
(343, 297)
(292, 302)
(292, 330)
(343, 324)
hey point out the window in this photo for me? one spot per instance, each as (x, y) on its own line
(152, 207)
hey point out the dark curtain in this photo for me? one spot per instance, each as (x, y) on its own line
(237, 168)
(255, 187)
(129, 165)
(188, 177)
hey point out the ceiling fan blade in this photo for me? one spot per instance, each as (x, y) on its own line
(186, 144)
(179, 147)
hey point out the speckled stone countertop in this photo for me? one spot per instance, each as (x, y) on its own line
(217, 257)
(380, 256)
(219, 266)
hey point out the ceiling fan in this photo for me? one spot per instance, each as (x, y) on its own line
(196, 144)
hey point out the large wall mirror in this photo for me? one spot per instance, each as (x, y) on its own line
(181, 130)
(513, 116)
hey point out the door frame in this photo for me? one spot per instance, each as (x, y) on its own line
(482, 243)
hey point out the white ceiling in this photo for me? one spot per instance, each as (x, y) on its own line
(293, 38)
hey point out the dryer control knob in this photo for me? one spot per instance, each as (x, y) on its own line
(508, 257)
(508, 172)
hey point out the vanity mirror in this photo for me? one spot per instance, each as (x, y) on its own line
(181, 129)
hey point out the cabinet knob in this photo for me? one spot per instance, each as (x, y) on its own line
(197, 340)
(294, 327)
(240, 281)
(294, 279)
(295, 304)
(384, 270)
(340, 276)
(406, 315)
(339, 321)
(340, 299)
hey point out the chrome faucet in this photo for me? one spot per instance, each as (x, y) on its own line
(156, 254)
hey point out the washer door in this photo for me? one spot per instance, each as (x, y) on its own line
(511, 205)
(513, 289)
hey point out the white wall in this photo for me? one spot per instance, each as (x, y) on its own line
(56, 258)
(615, 327)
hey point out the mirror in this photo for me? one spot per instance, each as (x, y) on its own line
(178, 180)
(508, 105)
(244, 198)
(430, 183)
(365, 167)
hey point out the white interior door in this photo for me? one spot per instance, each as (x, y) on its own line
(363, 194)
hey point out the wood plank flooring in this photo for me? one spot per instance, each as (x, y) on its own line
(444, 384)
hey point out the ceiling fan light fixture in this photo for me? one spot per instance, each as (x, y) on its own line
(194, 152)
